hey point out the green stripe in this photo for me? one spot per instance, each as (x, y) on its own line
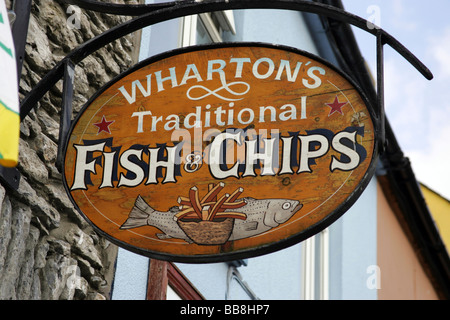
(7, 49)
(8, 108)
(2, 45)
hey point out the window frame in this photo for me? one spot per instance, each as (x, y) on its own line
(315, 267)
(223, 21)
(162, 275)
(181, 285)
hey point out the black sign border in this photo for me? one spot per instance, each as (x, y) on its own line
(264, 249)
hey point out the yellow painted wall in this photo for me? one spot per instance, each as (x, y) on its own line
(440, 210)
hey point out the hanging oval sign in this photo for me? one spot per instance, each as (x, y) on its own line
(216, 153)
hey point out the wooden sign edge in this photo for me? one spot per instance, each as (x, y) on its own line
(249, 253)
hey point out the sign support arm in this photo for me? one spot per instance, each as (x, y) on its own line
(66, 110)
(380, 91)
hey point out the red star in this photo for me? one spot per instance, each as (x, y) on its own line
(103, 125)
(336, 106)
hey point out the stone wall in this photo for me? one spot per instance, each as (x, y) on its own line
(47, 250)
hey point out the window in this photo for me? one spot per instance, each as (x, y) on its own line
(206, 28)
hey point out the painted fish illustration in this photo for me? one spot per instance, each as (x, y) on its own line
(142, 215)
(262, 215)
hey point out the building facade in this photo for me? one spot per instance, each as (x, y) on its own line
(364, 255)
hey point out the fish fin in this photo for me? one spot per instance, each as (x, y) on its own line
(250, 226)
(163, 236)
(142, 205)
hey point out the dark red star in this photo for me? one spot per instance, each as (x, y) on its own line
(336, 106)
(103, 125)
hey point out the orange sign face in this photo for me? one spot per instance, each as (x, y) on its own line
(217, 153)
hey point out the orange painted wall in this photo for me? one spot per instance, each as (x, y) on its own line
(402, 276)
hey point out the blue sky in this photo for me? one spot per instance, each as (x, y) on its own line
(418, 109)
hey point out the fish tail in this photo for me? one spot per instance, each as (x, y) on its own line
(138, 215)
(142, 205)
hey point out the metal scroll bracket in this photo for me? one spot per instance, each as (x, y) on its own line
(234, 274)
(10, 177)
(380, 92)
(66, 110)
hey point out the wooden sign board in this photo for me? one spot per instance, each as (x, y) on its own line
(223, 152)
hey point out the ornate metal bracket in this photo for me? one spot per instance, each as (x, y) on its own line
(150, 14)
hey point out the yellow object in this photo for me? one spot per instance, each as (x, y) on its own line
(440, 210)
(9, 136)
(9, 96)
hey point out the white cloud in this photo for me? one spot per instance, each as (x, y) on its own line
(406, 103)
(439, 50)
(401, 17)
(419, 112)
(418, 109)
(431, 167)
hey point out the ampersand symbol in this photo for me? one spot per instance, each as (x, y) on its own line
(193, 162)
